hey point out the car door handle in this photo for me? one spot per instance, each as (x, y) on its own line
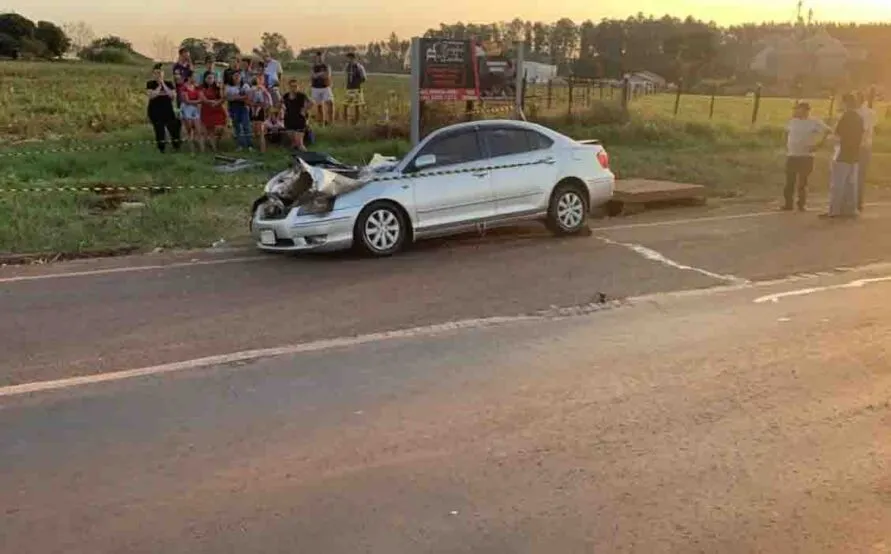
(549, 161)
(480, 174)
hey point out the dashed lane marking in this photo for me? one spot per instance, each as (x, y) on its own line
(859, 283)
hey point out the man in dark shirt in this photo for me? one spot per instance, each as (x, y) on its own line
(355, 78)
(320, 89)
(296, 105)
(182, 69)
(843, 187)
(161, 94)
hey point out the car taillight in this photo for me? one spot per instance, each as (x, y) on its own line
(603, 158)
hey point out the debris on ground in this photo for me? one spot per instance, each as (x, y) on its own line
(228, 164)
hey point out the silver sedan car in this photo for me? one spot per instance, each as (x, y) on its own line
(469, 176)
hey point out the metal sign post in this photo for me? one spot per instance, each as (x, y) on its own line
(415, 113)
(519, 47)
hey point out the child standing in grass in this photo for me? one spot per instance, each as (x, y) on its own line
(191, 113)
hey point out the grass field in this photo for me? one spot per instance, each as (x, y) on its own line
(76, 125)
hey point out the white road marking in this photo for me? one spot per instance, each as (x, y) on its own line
(416, 332)
(811, 290)
(128, 269)
(248, 355)
(655, 256)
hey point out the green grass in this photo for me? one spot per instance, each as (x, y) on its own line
(95, 115)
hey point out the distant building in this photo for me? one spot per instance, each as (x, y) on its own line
(539, 72)
(645, 82)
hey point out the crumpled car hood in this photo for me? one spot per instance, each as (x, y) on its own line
(303, 183)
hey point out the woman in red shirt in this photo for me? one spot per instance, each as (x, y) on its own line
(213, 114)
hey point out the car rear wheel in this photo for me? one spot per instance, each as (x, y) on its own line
(568, 210)
(381, 229)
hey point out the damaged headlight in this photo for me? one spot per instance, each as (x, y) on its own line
(318, 204)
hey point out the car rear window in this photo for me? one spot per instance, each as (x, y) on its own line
(504, 142)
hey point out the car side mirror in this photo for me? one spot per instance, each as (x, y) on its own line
(425, 161)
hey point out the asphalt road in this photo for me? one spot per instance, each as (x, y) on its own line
(698, 421)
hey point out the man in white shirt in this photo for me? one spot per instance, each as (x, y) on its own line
(804, 137)
(272, 72)
(869, 124)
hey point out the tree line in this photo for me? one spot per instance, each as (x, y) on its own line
(21, 37)
(690, 49)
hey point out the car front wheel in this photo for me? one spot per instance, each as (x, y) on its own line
(381, 229)
(568, 210)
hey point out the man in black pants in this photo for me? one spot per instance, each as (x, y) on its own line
(802, 140)
(161, 95)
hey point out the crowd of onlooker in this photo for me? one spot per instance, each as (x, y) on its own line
(248, 96)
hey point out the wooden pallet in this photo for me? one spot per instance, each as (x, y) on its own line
(634, 195)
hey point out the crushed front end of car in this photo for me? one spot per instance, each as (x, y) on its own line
(296, 211)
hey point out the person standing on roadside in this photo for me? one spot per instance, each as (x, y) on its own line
(237, 95)
(320, 89)
(213, 114)
(296, 105)
(259, 102)
(803, 133)
(868, 115)
(190, 113)
(183, 64)
(182, 70)
(210, 68)
(161, 114)
(272, 71)
(245, 70)
(843, 185)
(355, 79)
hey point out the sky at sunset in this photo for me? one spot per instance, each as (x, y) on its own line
(358, 21)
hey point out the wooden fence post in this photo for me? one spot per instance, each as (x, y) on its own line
(468, 110)
(711, 106)
(872, 96)
(523, 91)
(831, 105)
(550, 92)
(626, 85)
(677, 97)
(600, 86)
(570, 83)
(757, 104)
(588, 95)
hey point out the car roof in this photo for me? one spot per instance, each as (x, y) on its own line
(486, 123)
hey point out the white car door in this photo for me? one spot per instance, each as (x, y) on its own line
(520, 190)
(449, 193)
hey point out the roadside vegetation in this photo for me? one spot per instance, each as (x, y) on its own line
(95, 135)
